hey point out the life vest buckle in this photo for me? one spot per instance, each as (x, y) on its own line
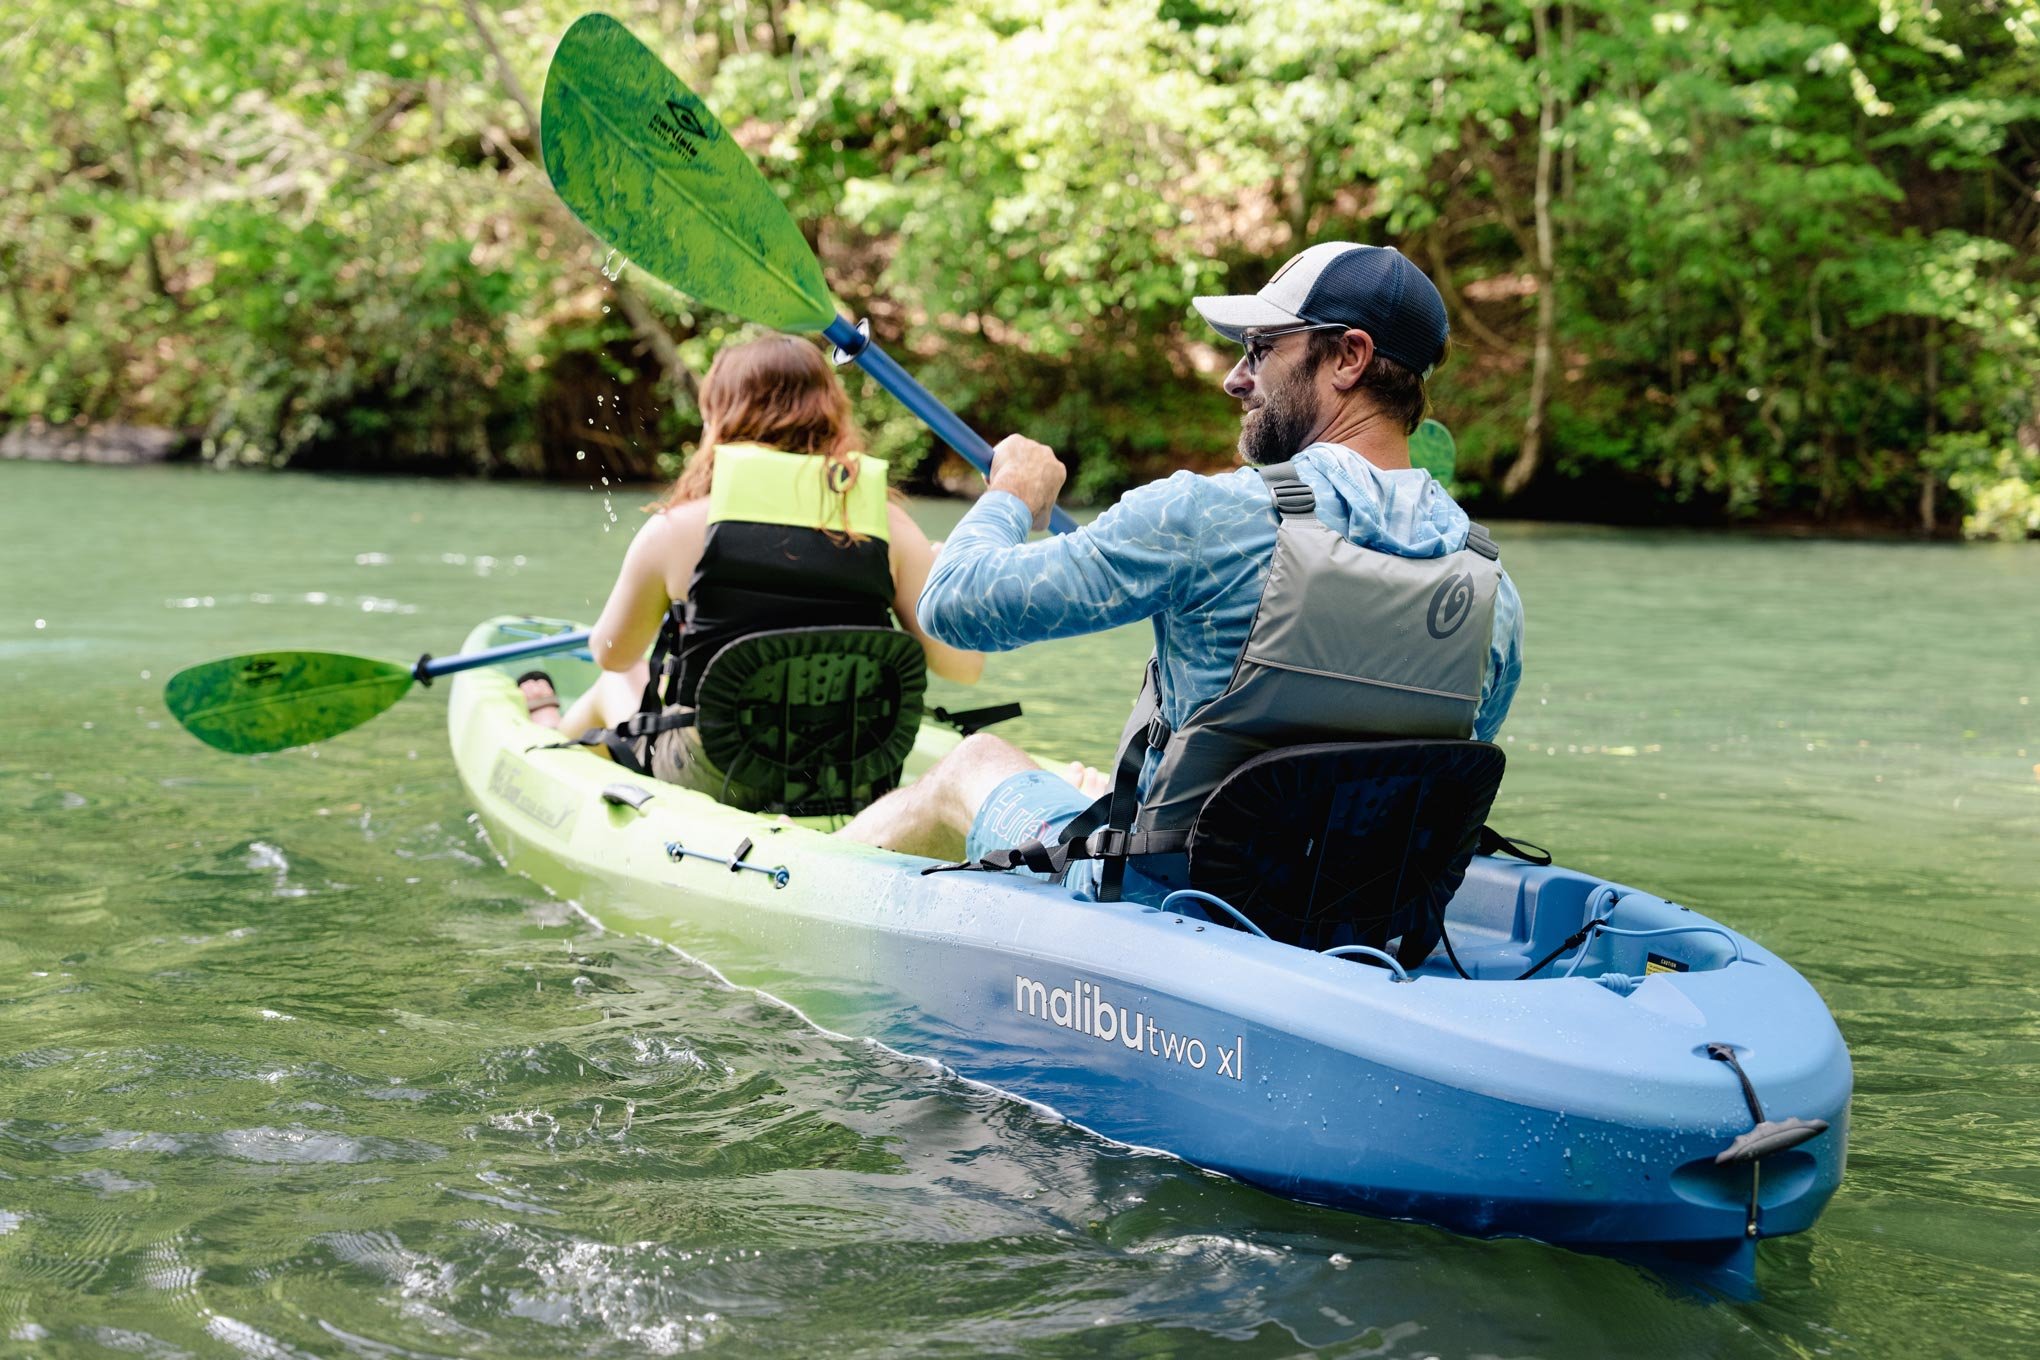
(1108, 842)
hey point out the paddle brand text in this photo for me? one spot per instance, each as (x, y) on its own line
(682, 128)
(1082, 1007)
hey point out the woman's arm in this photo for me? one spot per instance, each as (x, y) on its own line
(665, 550)
(912, 559)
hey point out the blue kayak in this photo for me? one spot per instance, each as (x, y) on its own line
(1662, 1087)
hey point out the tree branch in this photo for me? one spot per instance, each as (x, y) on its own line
(1441, 274)
(153, 251)
(1532, 448)
(680, 379)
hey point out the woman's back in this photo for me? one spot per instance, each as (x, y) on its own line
(776, 522)
(789, 541)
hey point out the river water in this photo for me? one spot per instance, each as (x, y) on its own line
(290, 1066)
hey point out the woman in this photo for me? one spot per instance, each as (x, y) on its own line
(797, 530)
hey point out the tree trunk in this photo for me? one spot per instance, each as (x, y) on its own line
(1456, 306)
(1531, 451)
(10, 266)
(680, 381)
(1568, 31)
(1303, 198)
(1930, 481)
(775, 20)
(137, 176)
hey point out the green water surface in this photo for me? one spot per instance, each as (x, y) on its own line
(290, 1066)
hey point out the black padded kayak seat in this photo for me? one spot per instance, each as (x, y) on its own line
(1348, 842)
(812, 721)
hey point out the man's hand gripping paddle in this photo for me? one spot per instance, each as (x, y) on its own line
(639, 158)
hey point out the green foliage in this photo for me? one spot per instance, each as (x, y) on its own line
(1794, 253)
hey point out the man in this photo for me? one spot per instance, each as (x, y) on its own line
(1338, 346)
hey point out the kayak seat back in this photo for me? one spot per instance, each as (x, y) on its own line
(1347, 842)
(812, 722)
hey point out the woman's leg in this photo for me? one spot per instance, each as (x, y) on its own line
(614, 696)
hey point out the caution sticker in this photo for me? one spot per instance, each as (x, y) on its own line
(1658, 963)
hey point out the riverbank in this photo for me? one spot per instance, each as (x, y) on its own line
(111, 445)
(1622, 505)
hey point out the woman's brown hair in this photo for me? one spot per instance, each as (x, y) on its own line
(777, 391)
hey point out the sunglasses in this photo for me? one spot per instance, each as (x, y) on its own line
(1261, 345)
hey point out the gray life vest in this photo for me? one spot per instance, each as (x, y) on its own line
(1348, 644)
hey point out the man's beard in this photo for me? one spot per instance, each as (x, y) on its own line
(1284, 422)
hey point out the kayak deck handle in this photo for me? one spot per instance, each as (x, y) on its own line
(620, 794)
(1364, 951)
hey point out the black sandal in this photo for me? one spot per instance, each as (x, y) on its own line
(534, 704)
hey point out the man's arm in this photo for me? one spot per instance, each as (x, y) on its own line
(992, 590)
(1505, 662)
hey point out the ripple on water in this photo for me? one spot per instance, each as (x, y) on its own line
(297, 1144)
(631, 1292)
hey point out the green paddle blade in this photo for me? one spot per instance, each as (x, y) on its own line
(1433, 449)
(641, 160)
(267, 701)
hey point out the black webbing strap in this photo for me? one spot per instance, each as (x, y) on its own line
(1100, 843)
(969, 720)
(620, 740)
(1121, 806)
(1479, 540)
(653, 716)
(664, 678)
(1042, 859)
(1492, 840)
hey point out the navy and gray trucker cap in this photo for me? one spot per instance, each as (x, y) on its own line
(1368, 288)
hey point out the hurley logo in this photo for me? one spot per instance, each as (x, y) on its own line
(683, 127)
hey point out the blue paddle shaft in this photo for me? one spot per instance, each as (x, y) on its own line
(948, 427)
(430, 668)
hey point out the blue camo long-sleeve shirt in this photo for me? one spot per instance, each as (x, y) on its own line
(1191, 553)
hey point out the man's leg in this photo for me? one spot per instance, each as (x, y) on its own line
(932, 815)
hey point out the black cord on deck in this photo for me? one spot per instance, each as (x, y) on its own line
(1572, 941)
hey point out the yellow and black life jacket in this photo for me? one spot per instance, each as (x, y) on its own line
(777, 556)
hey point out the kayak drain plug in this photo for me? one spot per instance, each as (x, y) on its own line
(733, 861)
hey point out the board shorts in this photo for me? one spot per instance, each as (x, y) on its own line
(1033, 805)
